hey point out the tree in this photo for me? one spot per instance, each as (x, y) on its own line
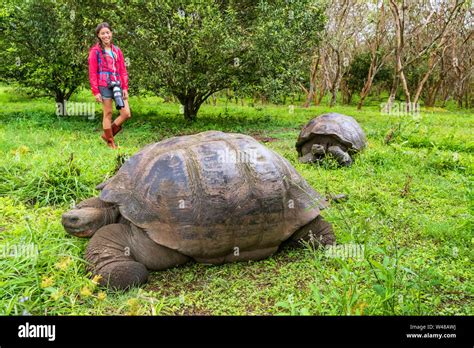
(194, 49)
(338, 38)
(363, 73)
(377, 36)
(45, 47)
(428, 39)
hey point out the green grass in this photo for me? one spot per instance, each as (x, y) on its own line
(410, 204)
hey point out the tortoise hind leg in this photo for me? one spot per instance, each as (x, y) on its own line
(121, 254)
(317, 232)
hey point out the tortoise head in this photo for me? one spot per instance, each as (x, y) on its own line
(318, 149)
(88, 216)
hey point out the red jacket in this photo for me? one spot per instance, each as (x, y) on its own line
(100, 72)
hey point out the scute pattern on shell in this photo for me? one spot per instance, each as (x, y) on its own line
(208, 193)
(344, 128)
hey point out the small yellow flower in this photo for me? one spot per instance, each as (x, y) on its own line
(46, 282)
(21, 150)
(63, 263)
(101, 296)
(57, 294)
(359, 308)
(133, 305)
(86, 291)
(132, 302)
(96, 279)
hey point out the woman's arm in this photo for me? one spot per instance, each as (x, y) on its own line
(122, 71)
(93, 76)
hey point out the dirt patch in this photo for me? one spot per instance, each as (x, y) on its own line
(263, 138)
(267, 139)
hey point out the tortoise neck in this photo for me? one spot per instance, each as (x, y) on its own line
(111, 215)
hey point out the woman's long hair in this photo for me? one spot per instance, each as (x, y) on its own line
(98, 29)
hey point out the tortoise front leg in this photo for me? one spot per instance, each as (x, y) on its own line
(121, 254)
(340, 155)
(110, 256)
(308, 158)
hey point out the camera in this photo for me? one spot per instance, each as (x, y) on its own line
(117, 92)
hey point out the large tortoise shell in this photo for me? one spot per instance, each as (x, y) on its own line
(206, 194)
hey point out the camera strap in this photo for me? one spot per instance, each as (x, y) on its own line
(108, 73)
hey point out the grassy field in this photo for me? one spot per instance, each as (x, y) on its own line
(409, 210)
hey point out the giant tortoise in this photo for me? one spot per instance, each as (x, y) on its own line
(335, 134)
(211, 197)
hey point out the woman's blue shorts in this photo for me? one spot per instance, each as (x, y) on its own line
(106, 92)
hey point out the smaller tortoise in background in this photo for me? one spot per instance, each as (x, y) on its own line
(335, 134)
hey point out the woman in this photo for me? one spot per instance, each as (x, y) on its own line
(106, 63)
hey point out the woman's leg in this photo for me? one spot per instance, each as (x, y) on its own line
(124, 114)
(107, 123)
(107, 111)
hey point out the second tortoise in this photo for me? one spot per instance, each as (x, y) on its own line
(335, 134)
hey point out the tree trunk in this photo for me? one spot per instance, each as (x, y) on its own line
(399, 26)
(63, 95)
(319, 98)
(468, 99)
(445, 95)
(60, 97)
(191, 103)
(364, 93)
(431, 65)
(404, 83)
(335, 87)
(309, 95)
(393, 92)
(312, 83)
(368, 82)
(420, 87)
(346, 93)
(191, 110)
(375, 63)
(432, 93)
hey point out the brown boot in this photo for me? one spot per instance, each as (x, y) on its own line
(109, 138)
(115, 128)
